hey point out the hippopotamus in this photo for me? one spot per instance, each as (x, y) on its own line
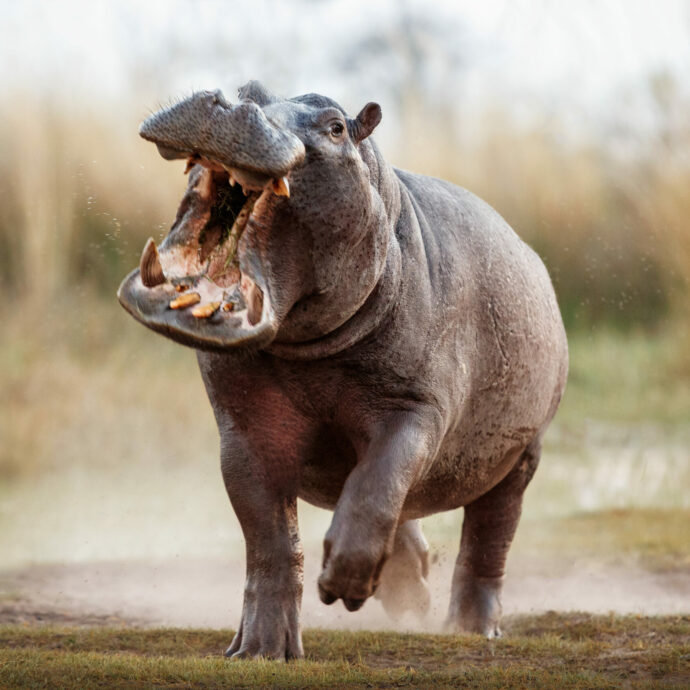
(372, 341)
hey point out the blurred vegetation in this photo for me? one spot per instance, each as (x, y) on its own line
(607, 211)
(81, 193)
(651, 538)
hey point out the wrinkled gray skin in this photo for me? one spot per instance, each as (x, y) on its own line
(408, 358)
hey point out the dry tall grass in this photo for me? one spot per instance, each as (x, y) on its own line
(81, 192)
(612, 226)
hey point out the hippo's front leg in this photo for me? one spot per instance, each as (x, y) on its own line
(362, 532)
(267, 512)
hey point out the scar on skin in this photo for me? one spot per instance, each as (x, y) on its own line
(505, 361)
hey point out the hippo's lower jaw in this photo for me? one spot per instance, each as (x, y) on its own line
(206, 324)
(194, 291)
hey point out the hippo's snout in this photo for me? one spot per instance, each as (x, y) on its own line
(236, 136)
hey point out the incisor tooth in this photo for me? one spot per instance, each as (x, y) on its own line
(150, 268)
(185, 300)
(206, 310)
(281, 186)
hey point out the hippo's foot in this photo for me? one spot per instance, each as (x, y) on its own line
(352, 577)
(475, 606)
(404, 578)
(270, 625)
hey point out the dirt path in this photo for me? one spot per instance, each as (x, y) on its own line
(208, 593)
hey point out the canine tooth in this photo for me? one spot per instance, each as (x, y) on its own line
(206, 310)
(181, 287)
(231, 179)
(150, 268)
(186, 300)
(228, 306)
(205, 184)
(191, 162)
(281, 186)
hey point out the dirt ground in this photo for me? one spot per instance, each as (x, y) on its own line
(208, 593)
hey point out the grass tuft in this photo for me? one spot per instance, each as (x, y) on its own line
(552, 650)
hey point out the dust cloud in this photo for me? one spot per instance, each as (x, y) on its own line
(208, 593)
(164, 548)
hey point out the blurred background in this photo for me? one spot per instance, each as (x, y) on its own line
(571, 119)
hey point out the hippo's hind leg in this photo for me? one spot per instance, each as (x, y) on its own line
(487, 532)
(403, 584)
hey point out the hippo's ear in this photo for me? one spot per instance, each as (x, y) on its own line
(365, 123)
(254, 90)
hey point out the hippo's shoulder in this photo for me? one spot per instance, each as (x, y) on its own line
(439, 199)
(463, 232)
(449, 214)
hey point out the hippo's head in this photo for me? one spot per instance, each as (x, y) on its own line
(276, 238)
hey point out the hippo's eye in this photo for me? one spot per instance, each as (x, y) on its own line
(336, 129)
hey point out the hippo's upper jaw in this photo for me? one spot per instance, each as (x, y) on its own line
(195, 290)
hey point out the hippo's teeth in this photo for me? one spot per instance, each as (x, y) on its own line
(150, 268)
(185, 300)
(231, 179)
(206, 310)
(191, 162)
(205, 184)
(281, 186)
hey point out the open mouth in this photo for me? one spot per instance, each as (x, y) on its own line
(193, 289)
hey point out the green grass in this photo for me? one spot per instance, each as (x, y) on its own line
(652, 539)
(552, 650)
(636, 377)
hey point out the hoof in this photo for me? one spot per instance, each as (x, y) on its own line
(476, 607)
(353, 604)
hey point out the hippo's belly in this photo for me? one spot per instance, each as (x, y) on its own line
(458, 474)
(452, 481)
(326, 466)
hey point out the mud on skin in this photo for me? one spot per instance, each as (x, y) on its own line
(375, 342)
